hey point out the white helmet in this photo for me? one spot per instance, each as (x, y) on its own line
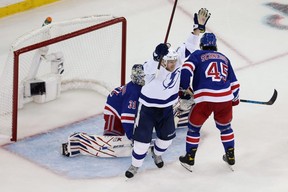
(171, 55)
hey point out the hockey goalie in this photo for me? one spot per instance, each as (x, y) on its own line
(120, 114)
(116, 145)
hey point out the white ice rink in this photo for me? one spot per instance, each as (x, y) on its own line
(259, 54)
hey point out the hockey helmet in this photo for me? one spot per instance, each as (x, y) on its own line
(137, 74)
(208, 40)
(172, 55)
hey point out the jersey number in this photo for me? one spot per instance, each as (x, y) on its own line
(217, 72)
(132, 104)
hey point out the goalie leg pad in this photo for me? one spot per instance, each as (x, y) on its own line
(99, 146)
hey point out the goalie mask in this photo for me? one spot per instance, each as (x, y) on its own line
(137, 74)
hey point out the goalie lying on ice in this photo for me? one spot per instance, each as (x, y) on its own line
(119, 115)
(118, 145)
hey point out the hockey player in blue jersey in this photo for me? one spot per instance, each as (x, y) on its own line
(158, 96)
(216, 90)
(121, 106)
(119, 114)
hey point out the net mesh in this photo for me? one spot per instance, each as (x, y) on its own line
(91, 60)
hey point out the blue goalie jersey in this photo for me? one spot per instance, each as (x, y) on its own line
(123, 102)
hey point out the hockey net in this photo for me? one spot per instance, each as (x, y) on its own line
(90, 50)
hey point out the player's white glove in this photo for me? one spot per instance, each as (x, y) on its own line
(201, 19)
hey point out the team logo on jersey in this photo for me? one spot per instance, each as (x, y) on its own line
(171, 79)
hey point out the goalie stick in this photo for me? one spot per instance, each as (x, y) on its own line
(270, 102)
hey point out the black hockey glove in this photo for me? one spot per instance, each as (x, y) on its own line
(160, 51)
(201, 19)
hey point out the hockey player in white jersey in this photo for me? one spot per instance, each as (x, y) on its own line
(158, 96)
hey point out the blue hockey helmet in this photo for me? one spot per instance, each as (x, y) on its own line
(208, 40)
(137, 74)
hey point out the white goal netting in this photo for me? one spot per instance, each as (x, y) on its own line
(89, 50)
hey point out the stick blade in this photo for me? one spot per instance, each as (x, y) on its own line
(270, 102)
(273, 98)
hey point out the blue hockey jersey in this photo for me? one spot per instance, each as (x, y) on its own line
(122, 102)
(214, 79)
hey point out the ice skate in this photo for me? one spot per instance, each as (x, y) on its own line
(187, 161)
(229, 156)
(157, 159)
(131, 171)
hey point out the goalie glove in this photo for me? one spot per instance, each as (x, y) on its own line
(185, 102)
(201, 19)
(183, 106)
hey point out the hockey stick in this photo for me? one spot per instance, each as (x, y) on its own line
(168, 30)
(270, 102)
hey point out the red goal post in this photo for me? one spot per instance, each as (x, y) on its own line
(94, 57)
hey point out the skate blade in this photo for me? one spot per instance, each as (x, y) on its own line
(188, 167)
(128, 178)
(229, 166)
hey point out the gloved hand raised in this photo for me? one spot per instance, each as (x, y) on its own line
(201, 19)
(160, 51)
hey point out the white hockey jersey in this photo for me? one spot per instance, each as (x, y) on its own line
(161, 90)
